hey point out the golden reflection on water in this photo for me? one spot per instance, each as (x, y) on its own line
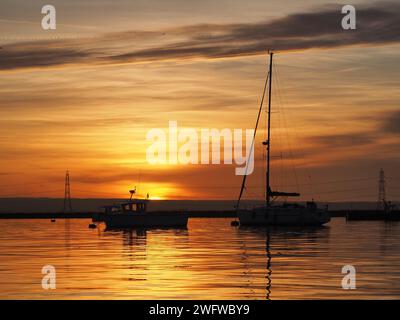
(209, 260)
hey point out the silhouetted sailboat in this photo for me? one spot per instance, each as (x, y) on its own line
(286, 214)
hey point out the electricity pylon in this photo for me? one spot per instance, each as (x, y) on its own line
(67, 195)
(382, 191)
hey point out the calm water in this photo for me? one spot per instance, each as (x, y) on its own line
(209, 260)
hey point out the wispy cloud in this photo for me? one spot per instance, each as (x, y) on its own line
(376, 24)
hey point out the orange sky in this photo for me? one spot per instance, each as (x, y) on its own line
(88, 104)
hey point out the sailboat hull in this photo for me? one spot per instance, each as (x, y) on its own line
(282, 216)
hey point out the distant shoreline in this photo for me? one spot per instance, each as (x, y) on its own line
(86, 208)
(89, 215)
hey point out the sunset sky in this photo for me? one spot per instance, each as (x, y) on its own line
(82, 97)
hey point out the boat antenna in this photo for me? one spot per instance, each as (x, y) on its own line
(132, 192)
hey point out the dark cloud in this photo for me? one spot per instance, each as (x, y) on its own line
(391, 123)
(343, 140)
(7, 173)
(376, 24)
(19, 57)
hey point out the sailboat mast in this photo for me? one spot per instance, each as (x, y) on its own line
(268, 142)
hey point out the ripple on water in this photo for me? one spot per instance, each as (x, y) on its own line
(209, 260)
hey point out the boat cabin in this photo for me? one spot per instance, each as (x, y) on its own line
(111, 209)
(134, 205)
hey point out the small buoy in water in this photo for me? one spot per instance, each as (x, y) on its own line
(235, 223)
(92, 226)
(53, 220)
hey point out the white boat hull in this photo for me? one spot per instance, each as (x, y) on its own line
(148, 220)
(281, 216)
